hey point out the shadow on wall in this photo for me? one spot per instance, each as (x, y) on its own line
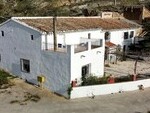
(63, 91)
(16, 70)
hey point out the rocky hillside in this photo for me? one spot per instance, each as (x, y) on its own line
(9, 8)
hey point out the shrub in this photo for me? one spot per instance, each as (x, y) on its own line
(107, 65)
(123, 79)
(69, 91)
(4, 78)
(94, 80)
(103, 80)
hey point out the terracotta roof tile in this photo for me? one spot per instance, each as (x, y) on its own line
(77, 23)
(109, 44)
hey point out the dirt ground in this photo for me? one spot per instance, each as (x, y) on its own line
(16, 99)
(127, 67)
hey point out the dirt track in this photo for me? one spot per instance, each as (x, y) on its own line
(127, 102)
(127, 67)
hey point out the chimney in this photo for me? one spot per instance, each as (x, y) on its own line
(55, 33)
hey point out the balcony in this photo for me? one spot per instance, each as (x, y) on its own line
(50, 47)
(84, 46)
(80, 47)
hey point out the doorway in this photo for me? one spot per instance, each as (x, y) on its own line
(86, 70)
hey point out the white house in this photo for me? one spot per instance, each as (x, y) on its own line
(27, 48)
(124, 36)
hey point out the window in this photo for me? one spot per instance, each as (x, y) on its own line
(126, 34)
(2, 33)
(89, 35)
(59, 45)
(32, 37)
(25, 65)
(107, 36)
(64, 46)
(86, 70)
(131, 34)
(101, 42)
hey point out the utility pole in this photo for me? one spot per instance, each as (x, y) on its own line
(55, 33)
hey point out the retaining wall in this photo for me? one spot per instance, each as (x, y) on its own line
(87, 91)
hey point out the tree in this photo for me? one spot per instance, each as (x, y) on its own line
(141, 52)
(118, 53)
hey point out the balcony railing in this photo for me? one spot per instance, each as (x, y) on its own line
(96, 44)
(50, 47)
(77, 48)
(80, 47)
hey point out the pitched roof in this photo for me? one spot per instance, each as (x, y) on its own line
(75, 23)
(110, 44)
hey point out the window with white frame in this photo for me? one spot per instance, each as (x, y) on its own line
(126, 35)
(25, 65)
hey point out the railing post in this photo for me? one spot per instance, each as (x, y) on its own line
(89, 45)
(70, 49)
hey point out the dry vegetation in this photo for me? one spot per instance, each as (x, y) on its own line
(9, 8)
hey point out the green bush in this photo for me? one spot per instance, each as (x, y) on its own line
(123, 79)
(94, 80)
(103, 80)
(4, 77)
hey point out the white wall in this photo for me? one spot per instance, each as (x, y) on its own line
(73, 37)
(17, 44)
(117, 37)
(87, 91)
(94, 57)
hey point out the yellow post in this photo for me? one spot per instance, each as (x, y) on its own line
(41, 80)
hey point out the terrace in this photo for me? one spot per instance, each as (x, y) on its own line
(85, 45)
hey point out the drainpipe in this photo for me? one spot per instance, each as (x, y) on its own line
(55, 33)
